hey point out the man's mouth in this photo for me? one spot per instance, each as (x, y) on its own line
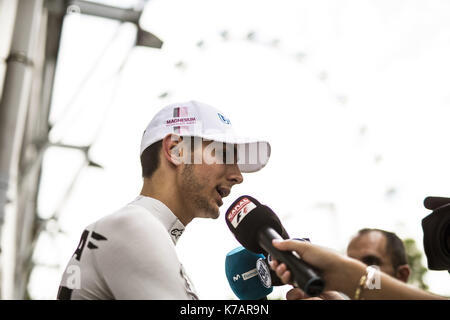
(223, 191)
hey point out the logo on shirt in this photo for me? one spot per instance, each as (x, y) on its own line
(91, 245)
(176, 233)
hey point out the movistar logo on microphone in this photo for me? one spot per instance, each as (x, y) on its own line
(246, 275)
(240, 211)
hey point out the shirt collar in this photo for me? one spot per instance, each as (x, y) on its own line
(170, 221)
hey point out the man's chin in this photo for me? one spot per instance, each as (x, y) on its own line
(214, 213)
(214, 217)
(211, 213)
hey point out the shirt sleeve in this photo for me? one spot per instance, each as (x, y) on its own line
(140, 261)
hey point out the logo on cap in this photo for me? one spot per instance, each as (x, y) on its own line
(180, 112)
(224, 120)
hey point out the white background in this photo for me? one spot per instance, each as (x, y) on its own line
(353, 96)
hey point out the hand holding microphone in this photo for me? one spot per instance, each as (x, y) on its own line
(255, 226)
(344, 274)
(337, 269)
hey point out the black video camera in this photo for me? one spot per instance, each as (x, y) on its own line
(436, 233)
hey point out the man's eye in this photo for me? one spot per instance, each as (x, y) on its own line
(230, 155)
(227, 156)
(370, 261)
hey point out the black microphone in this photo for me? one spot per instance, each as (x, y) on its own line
(255, 226)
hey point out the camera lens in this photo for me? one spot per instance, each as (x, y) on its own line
(436, 236)
(446, 239)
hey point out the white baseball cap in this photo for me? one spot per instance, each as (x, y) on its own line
(197, 119)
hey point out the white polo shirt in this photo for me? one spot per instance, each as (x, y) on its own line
(129, 254)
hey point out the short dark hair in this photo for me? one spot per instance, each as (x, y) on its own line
(394, 246)
(150, 159)
(150, 156)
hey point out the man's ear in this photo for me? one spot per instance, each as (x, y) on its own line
(403, 272)
(172, 150)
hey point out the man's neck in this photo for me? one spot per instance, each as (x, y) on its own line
(168, 195)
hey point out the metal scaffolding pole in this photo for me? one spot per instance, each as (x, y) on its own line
(8, 10)
(24, 127)
(13, 114)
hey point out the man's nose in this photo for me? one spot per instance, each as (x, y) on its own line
(234, 174)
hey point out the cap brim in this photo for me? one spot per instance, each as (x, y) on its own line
(253, 154)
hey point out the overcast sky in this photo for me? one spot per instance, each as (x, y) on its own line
(352, 95)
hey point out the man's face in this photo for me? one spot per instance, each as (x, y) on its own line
(370, 248)
(203, 185)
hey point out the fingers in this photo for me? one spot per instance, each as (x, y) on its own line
(298, 294)
(283, 273)
(281, 270)
(292, 245)
(273, 264)
(331, 295)
(295, 294)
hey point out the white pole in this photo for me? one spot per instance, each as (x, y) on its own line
(8, 9)
(13, 111)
